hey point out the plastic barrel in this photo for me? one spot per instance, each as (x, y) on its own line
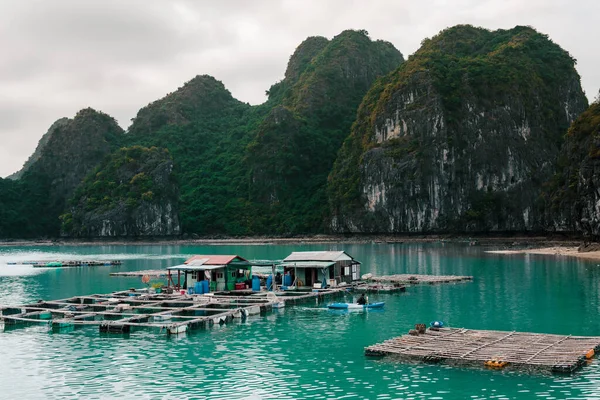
(270, 282)
(205, 287)
(287, 280)
(255, 284)
(198, 288)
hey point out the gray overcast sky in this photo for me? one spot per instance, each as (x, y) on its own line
(118, 55)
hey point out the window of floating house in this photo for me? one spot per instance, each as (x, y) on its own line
(346, 270)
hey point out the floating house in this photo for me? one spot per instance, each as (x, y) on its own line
(321, 268)
(222, 272)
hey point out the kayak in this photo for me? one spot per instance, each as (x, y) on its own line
(348, 306)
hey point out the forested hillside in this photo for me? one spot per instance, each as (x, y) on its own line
(131, 193)
(263, 169)
(65, 155)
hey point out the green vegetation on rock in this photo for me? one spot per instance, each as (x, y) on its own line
(115, 197)
(206, 130)
(460, 137)
(24, 205)
(65, 155)
(573, 193)
(296, 144)
(263, 169)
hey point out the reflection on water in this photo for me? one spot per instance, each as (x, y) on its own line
(304, 351)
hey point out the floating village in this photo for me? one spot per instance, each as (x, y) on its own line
(209, 290)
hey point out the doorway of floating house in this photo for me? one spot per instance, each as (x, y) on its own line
(310, 276)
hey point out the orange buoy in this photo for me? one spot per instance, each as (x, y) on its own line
(590, 354)
(495, 364)
(145, 279)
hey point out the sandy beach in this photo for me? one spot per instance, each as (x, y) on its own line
(553, 251)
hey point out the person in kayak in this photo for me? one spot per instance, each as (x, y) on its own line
(361, 300)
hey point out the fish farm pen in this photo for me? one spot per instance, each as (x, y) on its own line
(415, 279)
(401, 279)
(119, 312)
(532, 352)
(149, 272)
(67, 263)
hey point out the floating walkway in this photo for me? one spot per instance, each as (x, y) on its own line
(119, 312)
(379, 288)
(532, 352)
(149, 272)
(414, 279)
(67, 263)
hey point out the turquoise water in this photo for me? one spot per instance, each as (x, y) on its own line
(305, 351)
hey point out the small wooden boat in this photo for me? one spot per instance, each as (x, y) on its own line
(355, 306)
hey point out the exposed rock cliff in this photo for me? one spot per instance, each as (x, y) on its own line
(133, 193)
(460, 137)
(574, 193)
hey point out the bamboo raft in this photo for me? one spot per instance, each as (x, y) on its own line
(119, 312)
(379, 288)
(415, 279)
(533, 352)
(67, 263)
(149, 272)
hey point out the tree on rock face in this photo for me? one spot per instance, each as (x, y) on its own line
(461, 137)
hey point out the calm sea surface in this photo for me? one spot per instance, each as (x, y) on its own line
(305, 351)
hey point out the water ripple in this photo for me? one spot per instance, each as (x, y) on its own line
(307, 351)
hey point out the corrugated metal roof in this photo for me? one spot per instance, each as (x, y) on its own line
(307, 264)
(318, 256)
(214, 259)
(188, 267)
